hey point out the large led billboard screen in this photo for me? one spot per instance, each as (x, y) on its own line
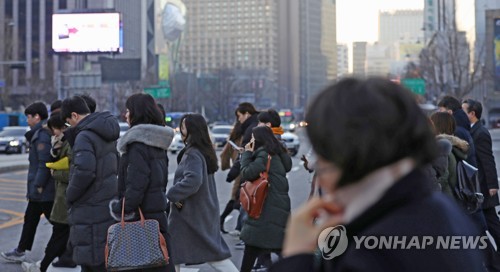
(86, 33)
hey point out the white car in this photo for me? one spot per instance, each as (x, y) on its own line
(292, 142)
(123, 128)
(220, 134)
(177, 144)
(12, 139)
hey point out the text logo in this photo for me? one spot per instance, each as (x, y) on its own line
(332, 242)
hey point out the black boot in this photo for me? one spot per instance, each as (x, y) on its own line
(227, 210)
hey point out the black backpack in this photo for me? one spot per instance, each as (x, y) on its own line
(467, 190)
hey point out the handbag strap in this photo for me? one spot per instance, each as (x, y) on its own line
(123, 214)
(266, 174)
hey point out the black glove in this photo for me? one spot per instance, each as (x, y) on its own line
(234, 172)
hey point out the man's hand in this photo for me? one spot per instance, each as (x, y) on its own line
(306, 162)
(493, 192)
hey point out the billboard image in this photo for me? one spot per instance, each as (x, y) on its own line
(86, 33)
(496, 47)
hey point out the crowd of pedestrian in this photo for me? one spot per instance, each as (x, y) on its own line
(381, 168)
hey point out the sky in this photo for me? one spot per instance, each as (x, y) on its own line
(357, 20)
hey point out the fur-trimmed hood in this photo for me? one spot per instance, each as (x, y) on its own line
(152, 135)
(455, 141)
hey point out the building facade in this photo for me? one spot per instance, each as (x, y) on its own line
(359, 59)
(439, 15)
(401, 25)
(342, 60)
(318, 57)
(289, 44)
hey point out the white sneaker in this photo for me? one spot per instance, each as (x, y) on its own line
(31, 267)
(13, 256)
(235, 233)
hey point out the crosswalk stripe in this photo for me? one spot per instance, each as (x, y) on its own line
(2, 180)
(13, 186)
(14, 194)
(14, 199)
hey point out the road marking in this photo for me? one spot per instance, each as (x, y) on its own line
(295, 169)
(171, 176)
(14, 189)
(13, 199)
(19, 214)
(185, 269)
(12, 181)
(13, 186)
(14, 194)
(21, 172)
(18, 219)
(12, 222)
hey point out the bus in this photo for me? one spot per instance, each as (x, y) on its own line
(287, 120)
(173, 119)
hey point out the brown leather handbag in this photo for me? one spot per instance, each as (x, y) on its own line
(254, 193)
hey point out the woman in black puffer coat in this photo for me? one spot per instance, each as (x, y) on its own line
(142, 173)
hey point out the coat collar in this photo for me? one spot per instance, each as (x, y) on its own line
(476, 126)
(409, 188)
(358, 197)
(152, 135)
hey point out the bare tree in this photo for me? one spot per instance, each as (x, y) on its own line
(447, 65)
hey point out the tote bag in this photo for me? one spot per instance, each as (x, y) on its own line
(135, 245)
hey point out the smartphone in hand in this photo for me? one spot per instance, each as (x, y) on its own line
(235, 146)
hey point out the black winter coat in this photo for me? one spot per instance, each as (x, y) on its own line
(143, 172)
(487, 171)
(143, 176)
(409, 208)
(92, 185)
(247, 128)
(463, 132)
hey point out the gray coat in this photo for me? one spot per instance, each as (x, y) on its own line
(194, 229)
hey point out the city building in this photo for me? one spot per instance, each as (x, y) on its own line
(318, 57)
(359, 59)
(342, 60)
(378, 60)
(401, 25)
(293, 57)
(489, 92)
(438, 16)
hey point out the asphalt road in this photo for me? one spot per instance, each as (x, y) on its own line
(13, 204)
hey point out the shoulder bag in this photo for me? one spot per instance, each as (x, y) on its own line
(254, 193)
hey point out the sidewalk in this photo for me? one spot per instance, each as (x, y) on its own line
(14, 162)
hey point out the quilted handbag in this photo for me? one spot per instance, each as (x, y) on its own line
(254, 193)
(135, 245)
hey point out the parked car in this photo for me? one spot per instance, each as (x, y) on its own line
(123, 128)
(220, 134)
(292, 142)
(12, 139)
(177, 144)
